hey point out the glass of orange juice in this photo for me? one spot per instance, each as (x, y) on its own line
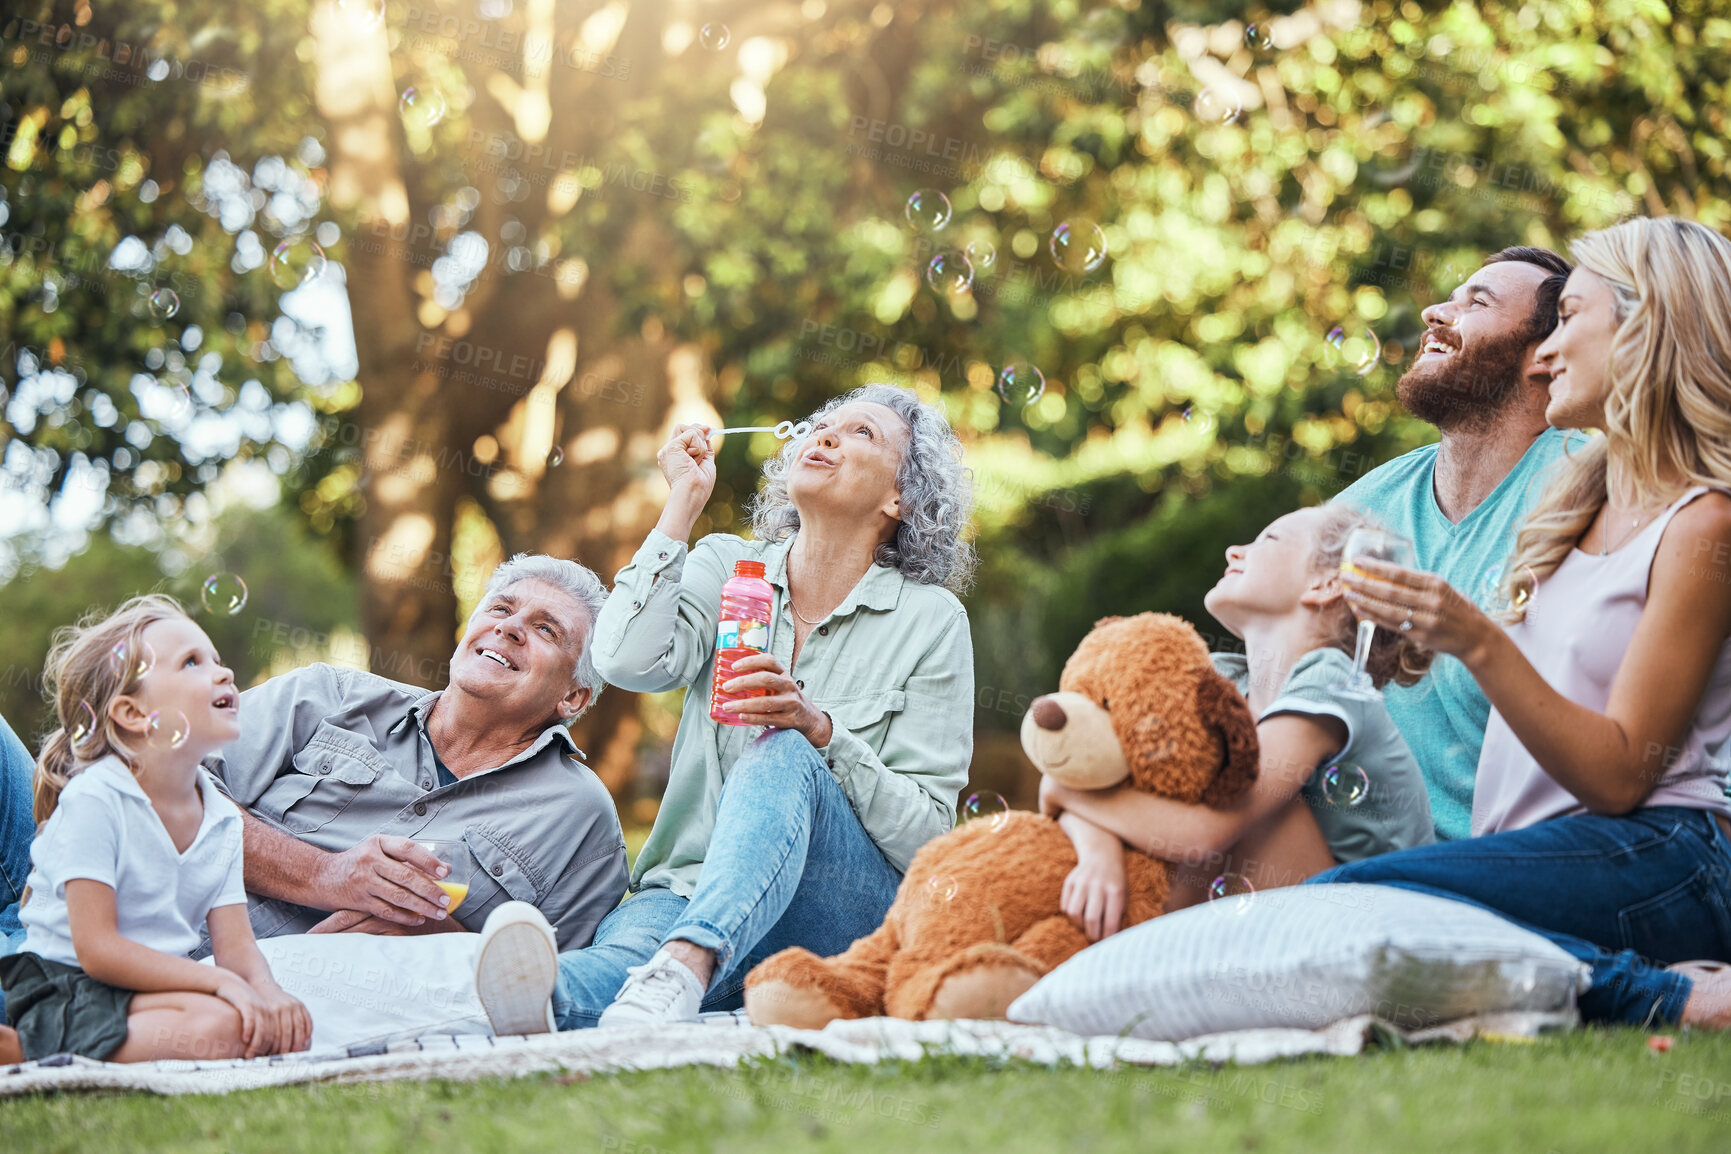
(455, 854)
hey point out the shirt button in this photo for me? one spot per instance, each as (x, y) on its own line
(324, 768)
(498, 870)
(420, 809)
(635, 605)
(831, 762)
(661, 557)
(823, 629)
(801, 684)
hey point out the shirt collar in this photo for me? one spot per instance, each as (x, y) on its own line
(879, 588)
(421, 709)
(118, 776)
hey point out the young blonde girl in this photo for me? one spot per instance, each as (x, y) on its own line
(1336, 781)
(136, 851)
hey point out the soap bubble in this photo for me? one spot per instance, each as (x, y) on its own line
(1258, 37)
(1197, 420)
(223, 593)
(296, 261)
(714, 37)
(168, 731)
(1078, 246)
(1234, 886)
(179, 398)
(1213, 107)
(1345, 785)
(1521, 598)
(1527, 589)
(950, 272)
(983, 254)
(129, 662)
(941, 889)
(83, 727)
(164, 303)
(929, 210)
(1020, 383)
(1353, 348)
(986, 806)
(421, 108)
(556, 457)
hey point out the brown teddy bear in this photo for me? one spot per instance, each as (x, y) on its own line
(977, 920)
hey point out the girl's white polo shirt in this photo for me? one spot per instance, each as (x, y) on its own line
(105, 829)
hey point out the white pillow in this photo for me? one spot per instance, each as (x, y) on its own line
(1304, 957)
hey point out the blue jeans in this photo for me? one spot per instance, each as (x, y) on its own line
(17, 828)
(1627, 895)
(788, 865)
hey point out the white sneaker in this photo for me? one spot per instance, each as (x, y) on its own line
(515, 970)
(660, 991)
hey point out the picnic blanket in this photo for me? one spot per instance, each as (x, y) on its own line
(404, 1008)
(726, 1042)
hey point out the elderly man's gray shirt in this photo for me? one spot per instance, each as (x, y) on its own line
(333, 756)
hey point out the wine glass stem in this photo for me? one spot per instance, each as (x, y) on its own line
(1361, 655)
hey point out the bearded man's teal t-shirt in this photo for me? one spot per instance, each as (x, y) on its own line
(1443, 717)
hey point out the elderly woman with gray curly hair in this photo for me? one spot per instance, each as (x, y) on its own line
(793, 827)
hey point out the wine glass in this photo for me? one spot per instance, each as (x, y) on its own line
(1378, 545)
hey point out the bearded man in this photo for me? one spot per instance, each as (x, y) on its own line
(1462, 499)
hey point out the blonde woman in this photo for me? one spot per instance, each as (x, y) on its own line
(1599, 814)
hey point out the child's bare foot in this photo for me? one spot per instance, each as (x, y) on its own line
(11, 1049)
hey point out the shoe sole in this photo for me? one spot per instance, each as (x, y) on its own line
(514, 979)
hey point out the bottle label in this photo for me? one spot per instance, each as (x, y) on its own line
(742, 635)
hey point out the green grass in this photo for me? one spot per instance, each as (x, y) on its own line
(1591, 1090)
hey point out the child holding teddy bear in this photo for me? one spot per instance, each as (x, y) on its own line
(1336, 783)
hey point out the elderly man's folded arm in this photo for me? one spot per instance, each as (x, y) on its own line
(366, 879)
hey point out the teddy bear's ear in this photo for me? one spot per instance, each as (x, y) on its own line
(1223, 710)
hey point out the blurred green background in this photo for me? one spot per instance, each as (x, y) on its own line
(354, 299)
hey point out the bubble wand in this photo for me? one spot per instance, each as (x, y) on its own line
(784, 430)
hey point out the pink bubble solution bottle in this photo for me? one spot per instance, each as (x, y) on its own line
(746, 602)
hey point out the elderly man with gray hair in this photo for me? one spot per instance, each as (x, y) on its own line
(339, 774)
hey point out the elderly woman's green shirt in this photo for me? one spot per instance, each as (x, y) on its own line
(893, 666)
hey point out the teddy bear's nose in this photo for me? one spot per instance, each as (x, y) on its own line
(1048, 714)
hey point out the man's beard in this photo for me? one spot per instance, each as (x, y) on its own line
(1470, 389)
